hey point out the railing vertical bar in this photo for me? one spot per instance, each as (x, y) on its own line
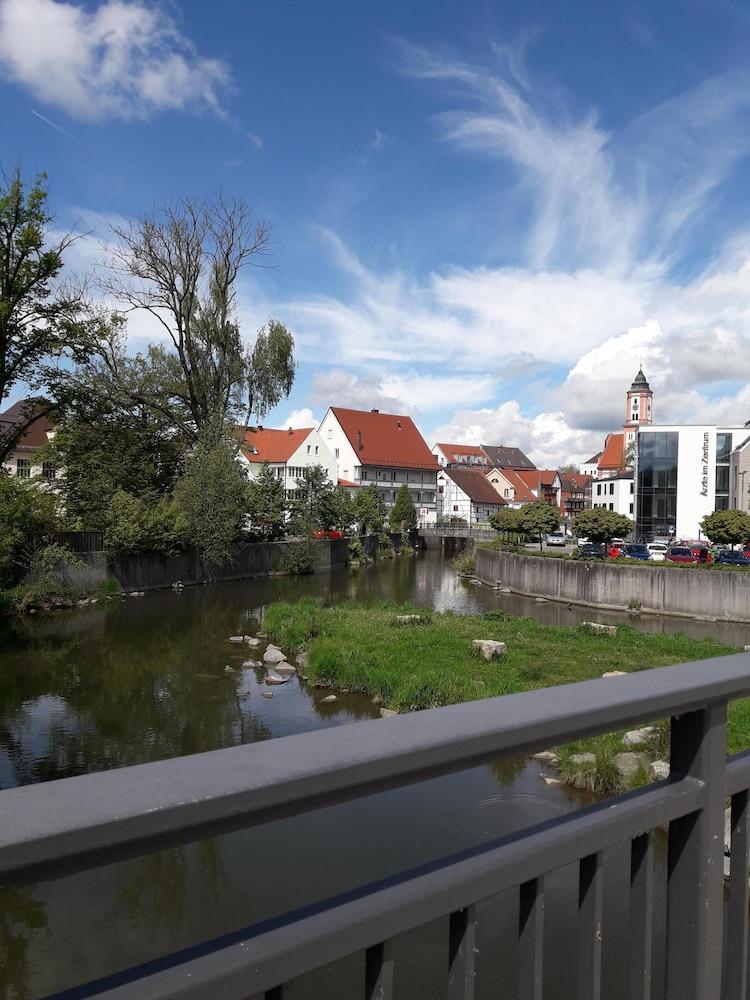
(379, 972)
(531, 940)
(695, 866)
(461, 954)
(641, 916)
(735, 972)
(590, 904)
(277, 993)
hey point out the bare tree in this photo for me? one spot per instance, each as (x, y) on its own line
(181, 265)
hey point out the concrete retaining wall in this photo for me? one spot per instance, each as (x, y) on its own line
(686, 592)
(152, 571)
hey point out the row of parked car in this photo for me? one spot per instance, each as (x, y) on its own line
(682, 552)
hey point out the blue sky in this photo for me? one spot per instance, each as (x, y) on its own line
(485, 215)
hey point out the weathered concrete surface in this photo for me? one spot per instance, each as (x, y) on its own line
(689, 593)
(152, 571)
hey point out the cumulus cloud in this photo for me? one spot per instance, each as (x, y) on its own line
(125, 59)
(300, 418)
(599, 286)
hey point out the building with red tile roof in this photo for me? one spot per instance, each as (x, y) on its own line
(543, 483)
(510, 486)
(288, 453)
(573, 493)
(461, 455)
(386, 449)
(22, 460)
(466, 495)
(612, 459)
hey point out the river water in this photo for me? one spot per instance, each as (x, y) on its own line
(144, 679)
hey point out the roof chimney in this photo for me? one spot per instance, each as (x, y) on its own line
(290, 430)
(359, 440)
(374, 410)
(398, 424)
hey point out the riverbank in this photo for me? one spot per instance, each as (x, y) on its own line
(696, 593)
(409, 658)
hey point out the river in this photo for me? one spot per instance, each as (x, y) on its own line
(143, 679)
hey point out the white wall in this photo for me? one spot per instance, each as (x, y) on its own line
(618, 492)
(312, 451)
(332, 435)
(505, 489)
(453, 496)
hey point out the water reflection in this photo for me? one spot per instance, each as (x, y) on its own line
(142, 680)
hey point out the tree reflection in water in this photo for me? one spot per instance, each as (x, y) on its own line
(22, 918)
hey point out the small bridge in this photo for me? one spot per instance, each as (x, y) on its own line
(55, 828)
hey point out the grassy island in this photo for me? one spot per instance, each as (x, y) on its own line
(426, 661)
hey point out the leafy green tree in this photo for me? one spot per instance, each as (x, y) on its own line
(369, 509)
(143, 523)
(313, 506)
(403, 514)
(181, 265)
(600, 525)
(538, 519)
(29, 518)
(40, 319)
(727, 527)
(507, 521)
(266, 505)
(212, 499)
(103, 447)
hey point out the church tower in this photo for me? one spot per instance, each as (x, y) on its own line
(638, 407)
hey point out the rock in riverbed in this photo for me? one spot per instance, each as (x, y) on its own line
(488, 648)
(550, 781)
(284, 668)
(387, 713)
(229, 670)
(273, 655)
(274, 679)
(546, 757)
(329, 699)
(236, 638)
(266, 694)
(251, 641)
(303, 659)
(250, 663)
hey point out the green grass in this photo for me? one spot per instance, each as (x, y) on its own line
(363, 648)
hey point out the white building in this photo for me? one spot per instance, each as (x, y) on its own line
(385, 449)
(467, 495)
(288, 453)
(683, 473)
(615, 493)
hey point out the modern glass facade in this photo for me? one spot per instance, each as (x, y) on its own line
(657, 483)
(723, 452)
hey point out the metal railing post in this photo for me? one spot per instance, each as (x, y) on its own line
(696, 859)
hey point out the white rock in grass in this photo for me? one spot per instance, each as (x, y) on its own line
(598, 627)
(408, 619)
(303, 659)
(489, 648)
(637, 737)
(273, 655)
(615, 673)
(387, 713)
(546, 757)
(583, 758)
(659, 770)
(628, 763)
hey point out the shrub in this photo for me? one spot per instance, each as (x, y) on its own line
(299, 558)
(465, 562)
(45, 585)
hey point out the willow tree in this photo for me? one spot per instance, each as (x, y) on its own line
(181, 265)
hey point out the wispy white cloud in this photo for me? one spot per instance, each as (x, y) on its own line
(379, 140)
(255, 140)
(124, 59)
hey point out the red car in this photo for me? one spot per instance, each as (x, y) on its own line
(681, 554)
(615, 551)
(328, 534)
(702, 553)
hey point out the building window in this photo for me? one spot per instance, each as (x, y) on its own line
(611, 489)
(363, 474)
(658, 453)
(23, 468)
(631, 508)
(49, 472)
(336, 452)
(308, 449)
(599, 489)
(506, 491)
(316, 449)
(440, 490)
(632, 487)
(455, 506)
(611, 506)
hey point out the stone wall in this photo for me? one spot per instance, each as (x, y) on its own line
(690, 593)
(152, 571)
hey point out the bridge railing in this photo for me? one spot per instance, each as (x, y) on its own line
(480, 533)
(52, 829)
